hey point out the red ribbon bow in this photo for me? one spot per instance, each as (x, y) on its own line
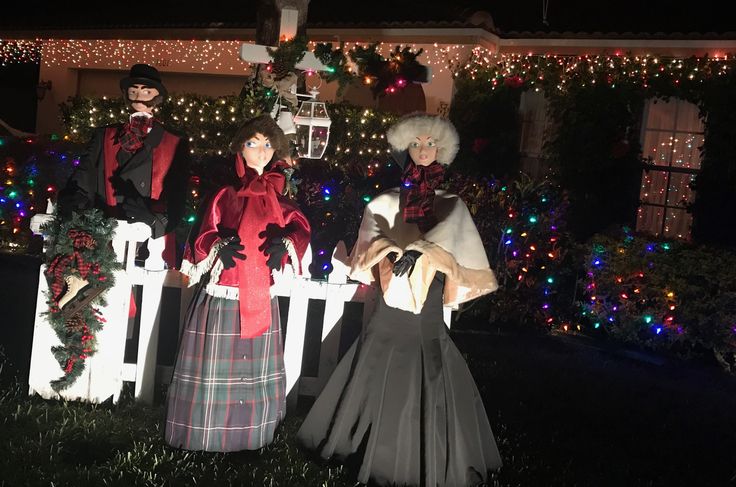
(61, 264)
(261, 208)
(81, 240)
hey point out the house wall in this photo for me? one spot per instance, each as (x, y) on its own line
(213, 67)
(623, 44)
(95, 67)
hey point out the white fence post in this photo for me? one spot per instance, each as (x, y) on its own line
(106, 370)
(103, 374)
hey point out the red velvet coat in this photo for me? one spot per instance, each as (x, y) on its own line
(233, 211)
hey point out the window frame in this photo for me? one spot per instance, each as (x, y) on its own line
(668, 169)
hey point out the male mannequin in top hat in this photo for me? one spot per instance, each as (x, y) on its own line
(138, 170)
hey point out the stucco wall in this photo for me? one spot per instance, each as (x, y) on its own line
(94, 68)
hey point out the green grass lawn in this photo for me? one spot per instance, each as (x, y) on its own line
(565, 411)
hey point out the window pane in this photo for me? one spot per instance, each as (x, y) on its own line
(320, 111)
(658, 147)
(671, 138)
(688, 119)
(677, 224)
(649, 219)
(653, 187)
(661, 115)
(680, 193)
(685, 150)
(302, 140)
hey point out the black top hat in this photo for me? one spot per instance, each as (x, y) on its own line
(145, 75)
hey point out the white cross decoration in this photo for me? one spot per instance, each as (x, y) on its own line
(256, 53)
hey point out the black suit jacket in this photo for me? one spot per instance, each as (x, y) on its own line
(89, 177)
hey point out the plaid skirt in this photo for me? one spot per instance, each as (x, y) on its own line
(227, 393)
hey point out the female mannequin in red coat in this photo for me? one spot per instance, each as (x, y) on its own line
(228, 388)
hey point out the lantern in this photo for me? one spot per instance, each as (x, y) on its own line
(312, 129)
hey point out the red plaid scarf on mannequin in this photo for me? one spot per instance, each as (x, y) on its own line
(417, 190)
(134, 132)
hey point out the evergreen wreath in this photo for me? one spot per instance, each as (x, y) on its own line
(78, 245)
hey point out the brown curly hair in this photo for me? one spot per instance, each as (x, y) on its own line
(266, 126)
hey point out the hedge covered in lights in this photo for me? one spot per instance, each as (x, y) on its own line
(662, 294)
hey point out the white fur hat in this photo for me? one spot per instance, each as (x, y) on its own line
(409, 127)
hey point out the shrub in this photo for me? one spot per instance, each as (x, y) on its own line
(663, 295)
(522, 225)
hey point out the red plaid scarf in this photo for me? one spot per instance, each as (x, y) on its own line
(417, 190)
(133, 133)
(261, 208)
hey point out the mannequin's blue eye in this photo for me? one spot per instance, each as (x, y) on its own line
(251, 143)
(268, 145)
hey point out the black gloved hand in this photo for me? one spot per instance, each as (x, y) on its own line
(136, 210)
(230, 252)
(134, 204)
(274, 246)
(392, 256)
(275, 251)
(406, 262)
(123, 187)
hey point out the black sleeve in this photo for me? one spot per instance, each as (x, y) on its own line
(82, 184)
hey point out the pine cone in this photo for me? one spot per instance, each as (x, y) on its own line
(279, 70)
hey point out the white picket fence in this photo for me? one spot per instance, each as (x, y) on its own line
(106, 370)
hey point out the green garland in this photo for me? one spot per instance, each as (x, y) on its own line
(336, 61)
(287, 55)
(386, 75)
(78, 332)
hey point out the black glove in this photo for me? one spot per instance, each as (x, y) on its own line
(134, 204)
(274, 246)
(275, 251)
(136, 210)
(392, 256)
(230, 252)
(406, 262)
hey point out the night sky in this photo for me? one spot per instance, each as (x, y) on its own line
(517, 15)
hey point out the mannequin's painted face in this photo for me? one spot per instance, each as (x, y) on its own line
(257, 152)
(423, 150)
(141, 98)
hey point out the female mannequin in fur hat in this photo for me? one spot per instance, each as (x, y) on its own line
(228, 388)
(402, 402)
